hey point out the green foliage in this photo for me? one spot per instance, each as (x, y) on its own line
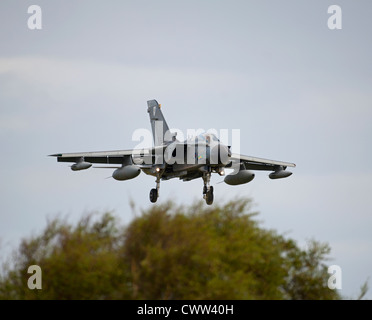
(78, 262)
(169, 252)
(363, 290)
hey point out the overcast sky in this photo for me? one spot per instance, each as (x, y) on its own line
(298, 92)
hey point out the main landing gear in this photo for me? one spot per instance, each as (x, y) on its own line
(207, 189)
(154, 193)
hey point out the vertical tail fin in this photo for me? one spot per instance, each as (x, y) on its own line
(158, 124)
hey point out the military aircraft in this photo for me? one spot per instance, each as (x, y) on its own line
(169, 158)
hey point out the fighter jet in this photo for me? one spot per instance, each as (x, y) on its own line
(196, 157)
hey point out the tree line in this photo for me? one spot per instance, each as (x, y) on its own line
(168, 251)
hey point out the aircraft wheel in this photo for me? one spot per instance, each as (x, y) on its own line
(209, 196)
(153, 195)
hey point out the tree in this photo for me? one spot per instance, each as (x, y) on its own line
(79, 262)
(169, 252)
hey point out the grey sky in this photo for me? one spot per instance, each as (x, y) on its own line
(298, 92)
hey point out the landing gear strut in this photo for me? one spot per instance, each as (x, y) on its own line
(154, 193)
(207, 189)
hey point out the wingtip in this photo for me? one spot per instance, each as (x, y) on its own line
(55, 155)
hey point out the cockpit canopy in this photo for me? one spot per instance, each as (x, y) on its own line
(205, 137)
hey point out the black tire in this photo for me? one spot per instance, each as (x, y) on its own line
(153, 195)
(209, 197)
